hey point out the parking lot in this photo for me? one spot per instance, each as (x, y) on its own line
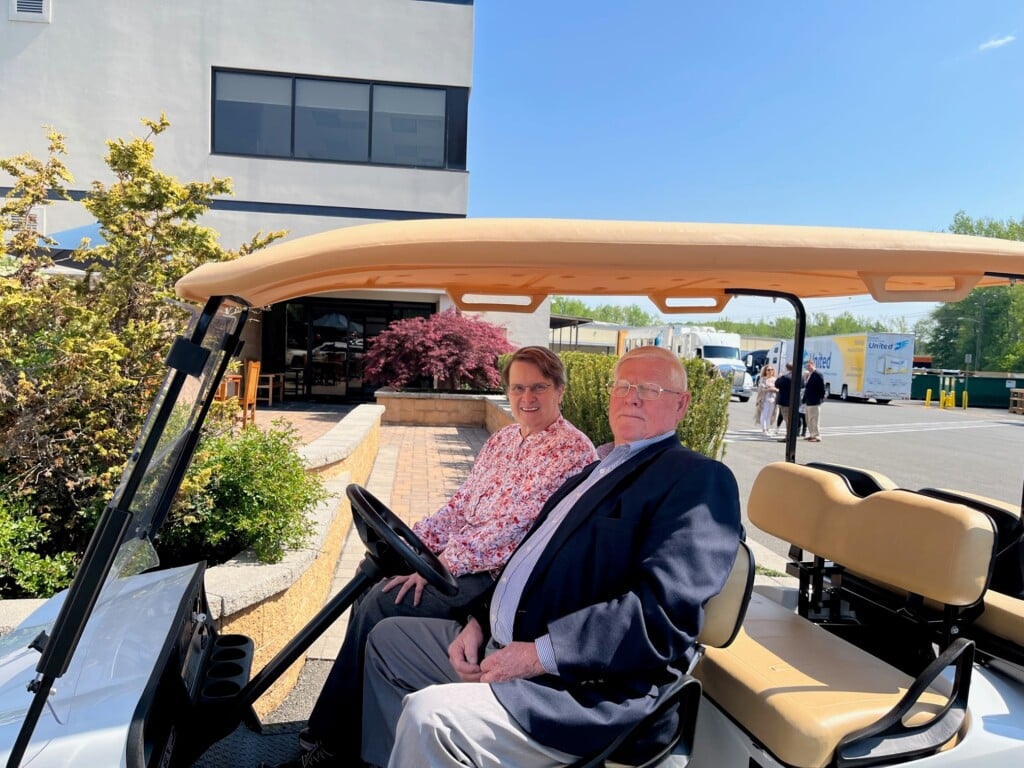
(977, 450)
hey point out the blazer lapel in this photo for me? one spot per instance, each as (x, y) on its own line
(589, 501)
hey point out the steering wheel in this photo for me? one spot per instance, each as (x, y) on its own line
(391, 543)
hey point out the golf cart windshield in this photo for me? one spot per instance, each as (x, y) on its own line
(160, 457)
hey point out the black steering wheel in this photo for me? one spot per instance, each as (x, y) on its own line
(392, 544)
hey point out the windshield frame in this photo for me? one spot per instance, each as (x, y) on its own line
(122, 542)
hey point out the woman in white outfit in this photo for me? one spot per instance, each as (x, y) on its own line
(766, 391)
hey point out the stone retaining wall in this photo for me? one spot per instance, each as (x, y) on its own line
(435, 409)
(270, 603)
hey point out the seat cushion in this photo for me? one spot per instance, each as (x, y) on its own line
(798, 689)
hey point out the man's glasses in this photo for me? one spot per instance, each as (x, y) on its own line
(645, 391)
(535, 389)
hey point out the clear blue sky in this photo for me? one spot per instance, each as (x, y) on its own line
(871, 114)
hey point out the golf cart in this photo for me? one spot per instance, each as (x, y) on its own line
(906, 642)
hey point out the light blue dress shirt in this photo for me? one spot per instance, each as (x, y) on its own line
(509, 589)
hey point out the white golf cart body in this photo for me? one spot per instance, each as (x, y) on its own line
(786, 692)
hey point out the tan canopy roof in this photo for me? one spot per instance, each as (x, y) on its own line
(476, 260)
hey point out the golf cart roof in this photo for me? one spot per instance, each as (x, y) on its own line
(478, 260)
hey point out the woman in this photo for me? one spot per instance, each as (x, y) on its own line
(516, 471)
(766, 391)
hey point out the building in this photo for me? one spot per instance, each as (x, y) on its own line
(324, 113)
(581, 334)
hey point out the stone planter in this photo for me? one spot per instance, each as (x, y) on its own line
(436, 409)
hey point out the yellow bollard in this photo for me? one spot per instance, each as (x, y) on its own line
(963, 403)
(927, 398)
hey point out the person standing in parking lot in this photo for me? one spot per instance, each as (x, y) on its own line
(783, 385)
(814, 395)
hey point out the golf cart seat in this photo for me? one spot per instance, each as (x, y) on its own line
(723, 616)
(862, 482)
(813, 699)
(999, 629)
(1008, 570)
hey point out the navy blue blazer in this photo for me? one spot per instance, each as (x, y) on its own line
(621, 589)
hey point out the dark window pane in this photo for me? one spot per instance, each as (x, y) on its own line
(252, 114)
(458, 117)
(408, 126)
(332, 120)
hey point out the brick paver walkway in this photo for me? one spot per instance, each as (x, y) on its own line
(417, 469)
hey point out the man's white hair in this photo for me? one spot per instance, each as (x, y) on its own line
(676, 370)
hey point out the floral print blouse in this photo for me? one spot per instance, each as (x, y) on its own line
(510, 480)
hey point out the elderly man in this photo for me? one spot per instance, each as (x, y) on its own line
(598, 608)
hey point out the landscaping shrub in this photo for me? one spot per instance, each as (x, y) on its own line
(459, 350)
(80, 358)
(23, 571)
(247, 490)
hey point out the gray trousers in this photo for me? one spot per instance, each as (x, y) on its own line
(813, 414)
(417, 713)
(335, 719)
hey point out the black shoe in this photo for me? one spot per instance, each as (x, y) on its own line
(307, 740)
(318, 757)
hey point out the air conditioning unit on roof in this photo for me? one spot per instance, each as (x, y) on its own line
(39, 11)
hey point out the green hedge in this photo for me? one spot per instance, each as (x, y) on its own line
(585, 403)
(244, 490)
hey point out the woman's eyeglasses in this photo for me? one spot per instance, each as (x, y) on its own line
(535, 389)
(645, 391)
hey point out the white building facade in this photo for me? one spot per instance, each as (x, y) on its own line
(324, 113)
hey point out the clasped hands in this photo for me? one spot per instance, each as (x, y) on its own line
(516, 660)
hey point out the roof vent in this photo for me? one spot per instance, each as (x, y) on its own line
(31, 10)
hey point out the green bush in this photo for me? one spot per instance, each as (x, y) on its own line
(23, 571)
(585, 403)
(80, 359)
(704, 427)
(247, 490)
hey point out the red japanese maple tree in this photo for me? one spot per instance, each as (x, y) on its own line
(461, 351)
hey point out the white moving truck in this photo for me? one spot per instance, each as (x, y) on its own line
(857, 365)
(720, 348)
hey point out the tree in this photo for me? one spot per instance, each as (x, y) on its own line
(632, 315)
(459, 350)
(984, 325)
(79, 358)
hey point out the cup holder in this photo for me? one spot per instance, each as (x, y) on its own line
(232, 641)
(227, 668)
(221, 689)
(228, 654)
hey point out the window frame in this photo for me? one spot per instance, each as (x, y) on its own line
(454, 134)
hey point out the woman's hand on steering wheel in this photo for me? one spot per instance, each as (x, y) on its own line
(407, 582)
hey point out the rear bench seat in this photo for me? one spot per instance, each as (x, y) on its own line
(800, 690)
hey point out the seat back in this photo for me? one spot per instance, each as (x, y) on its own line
(863, 482)
(929, 547)
(250, 382)
(723, 613)
(1008, 570)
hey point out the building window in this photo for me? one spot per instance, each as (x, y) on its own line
(272, 115)
(332, 120)
(253, 115)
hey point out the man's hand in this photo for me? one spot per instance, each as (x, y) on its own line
(464, 652)
(514, 661)
(412, 581)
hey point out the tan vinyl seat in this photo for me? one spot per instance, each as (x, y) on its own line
(800, 690)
